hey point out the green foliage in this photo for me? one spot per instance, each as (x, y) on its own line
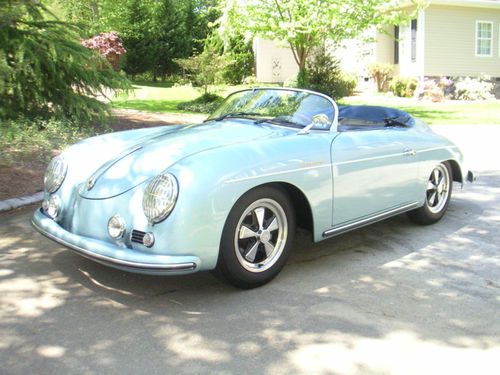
(304, 25)
(403, 87)
(45, 71)
(154, 32)
(240, 60)
(206, 103)
(22, 139)
(323, 74)
(207, 68)
(381, 74)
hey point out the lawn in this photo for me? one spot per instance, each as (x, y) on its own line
(447, 112)
(165, 99)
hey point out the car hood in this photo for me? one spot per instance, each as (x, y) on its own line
(150, 156)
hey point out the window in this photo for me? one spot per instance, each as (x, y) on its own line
(413, 40)
(484, 38)
(396, 44)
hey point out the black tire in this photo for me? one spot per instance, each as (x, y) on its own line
(235, 262)
(431, 213)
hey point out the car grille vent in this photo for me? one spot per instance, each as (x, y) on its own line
(137, 236)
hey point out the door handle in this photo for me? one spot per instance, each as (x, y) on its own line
(409, 152)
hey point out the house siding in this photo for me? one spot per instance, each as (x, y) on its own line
(384, 48)
(450, 41)
(273, 64)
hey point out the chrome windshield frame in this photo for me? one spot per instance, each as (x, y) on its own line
(333, 124)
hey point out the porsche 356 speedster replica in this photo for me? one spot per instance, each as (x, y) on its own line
(227, 194)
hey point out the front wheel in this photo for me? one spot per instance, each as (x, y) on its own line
(437, 196)
(257, 238)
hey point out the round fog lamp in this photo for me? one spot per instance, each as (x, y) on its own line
(52, 206)
(116, 227)
(149, 239)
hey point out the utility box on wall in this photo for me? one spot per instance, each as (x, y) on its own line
(273, 63)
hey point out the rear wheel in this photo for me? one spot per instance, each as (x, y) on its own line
(437, 196)
(257, 238)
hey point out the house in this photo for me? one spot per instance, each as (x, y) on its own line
(448, 38)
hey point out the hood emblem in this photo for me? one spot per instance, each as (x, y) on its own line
(90, 183)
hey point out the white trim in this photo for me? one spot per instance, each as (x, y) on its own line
(421, 45)
(477, 36)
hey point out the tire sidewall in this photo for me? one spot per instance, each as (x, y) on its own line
(228, 264)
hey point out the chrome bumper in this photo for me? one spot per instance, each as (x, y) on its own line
(115, 256)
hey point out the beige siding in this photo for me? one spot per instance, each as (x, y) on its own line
(450, 41)
(385, 46)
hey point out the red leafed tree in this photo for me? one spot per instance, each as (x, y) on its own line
(109, 45)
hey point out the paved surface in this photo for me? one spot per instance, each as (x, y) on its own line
(392, 298)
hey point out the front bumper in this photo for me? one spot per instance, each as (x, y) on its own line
(122, 258)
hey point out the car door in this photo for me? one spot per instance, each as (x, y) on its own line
(374, 171)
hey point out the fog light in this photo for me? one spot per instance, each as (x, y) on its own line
(116, 227)
(52, 206)
(149, 239)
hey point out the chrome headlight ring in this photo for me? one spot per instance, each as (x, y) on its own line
(55, 174)
(160, 197)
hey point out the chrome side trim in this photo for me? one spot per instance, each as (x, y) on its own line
(113, 261)
(369, 159)
(369, 220)
(230, 181)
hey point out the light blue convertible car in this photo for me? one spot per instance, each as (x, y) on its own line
(227, 194)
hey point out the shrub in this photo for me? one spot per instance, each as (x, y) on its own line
(403, 87)
(26, 139)
(240, 60)
(323, 74)
(205, 69)
(206, 103)
(250, 80)
(433, 91)
(108, 45)
(473, 89)
(381, 74)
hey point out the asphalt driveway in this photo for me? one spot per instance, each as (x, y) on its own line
(390, 298)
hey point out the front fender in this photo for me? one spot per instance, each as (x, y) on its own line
(212, 181)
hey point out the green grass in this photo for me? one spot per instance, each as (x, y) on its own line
(447, 112)
(164, 99)
(154, 98)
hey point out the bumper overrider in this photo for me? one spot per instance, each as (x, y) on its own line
(115, 256)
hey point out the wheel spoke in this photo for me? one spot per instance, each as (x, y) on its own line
(441, 186)
(436, 177)
(246, 232)
(252, 252)
(430, 185)
(259, 214)
(432, 198)
(273, 225)
(269, 248)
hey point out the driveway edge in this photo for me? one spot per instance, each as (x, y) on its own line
(10, 204)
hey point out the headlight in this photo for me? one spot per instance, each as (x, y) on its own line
(55, 174)
(160, 197)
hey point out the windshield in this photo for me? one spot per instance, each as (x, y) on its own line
(280, 106)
